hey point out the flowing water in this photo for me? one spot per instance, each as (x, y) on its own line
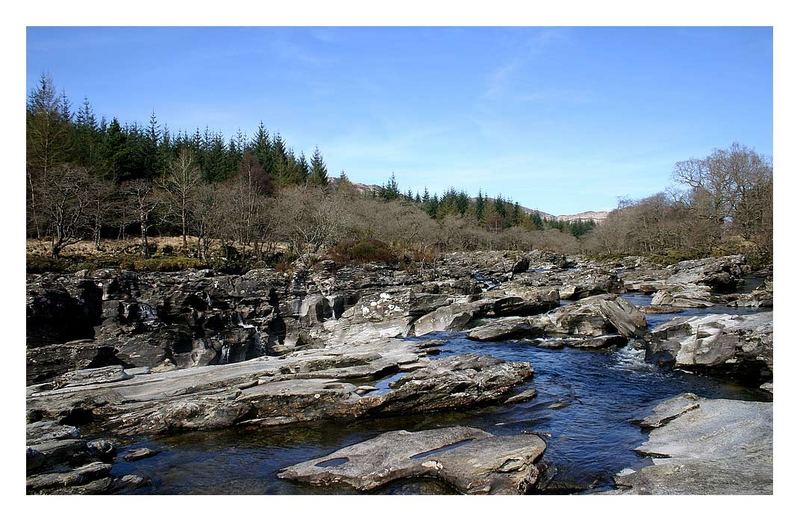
(584, 407)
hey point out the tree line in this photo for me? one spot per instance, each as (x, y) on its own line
(91, 178)
(88, 178)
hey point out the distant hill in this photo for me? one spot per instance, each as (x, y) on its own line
(597, 216)
(590, 215)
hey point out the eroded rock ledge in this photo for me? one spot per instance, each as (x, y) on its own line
(318, 384)
(470, 460)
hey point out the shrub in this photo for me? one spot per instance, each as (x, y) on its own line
(362, 251)
(172, 264)
(36, 264)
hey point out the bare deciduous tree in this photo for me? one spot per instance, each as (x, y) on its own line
(64, 203)
(142, 196)
(179, 187)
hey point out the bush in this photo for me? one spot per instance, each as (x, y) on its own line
(172, 264)
(36, 264)
(362, 251)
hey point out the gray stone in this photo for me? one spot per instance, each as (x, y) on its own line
(139, 454)
(705, 446)
(76, 477)
(506, 328)
(684, 296)
(470, 460)
(733, 345)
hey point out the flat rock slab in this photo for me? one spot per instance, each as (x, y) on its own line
(669, 410)
(468, 459)
(705, 446)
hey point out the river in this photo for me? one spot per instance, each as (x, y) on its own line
(584, 407)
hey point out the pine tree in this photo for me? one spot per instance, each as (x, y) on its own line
(319, 172)
(279, 162)
(480, 206)
(262, 148)
(390, 191)
(47, 140)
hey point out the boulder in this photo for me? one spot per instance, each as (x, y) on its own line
(454, 382)
(452, 317)
(506, 328)
(720, 273)
(738, 346)
(44, 363)
(684, 296)
(593, 317)
(468, 459)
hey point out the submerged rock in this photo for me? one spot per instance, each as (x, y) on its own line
(470, 460)
(586, 343)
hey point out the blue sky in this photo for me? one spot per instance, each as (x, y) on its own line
(560, 119)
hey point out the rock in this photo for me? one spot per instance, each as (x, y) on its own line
(705, 446)
(302, 386)
(44, 363)
(42, 431)
(767, 387)
(128, 482)
(737, 346)
(684, 296)
(92, 376)
(593, 317)
(586, 343)
(660, 309)
(454, 382)
(669, 410)
(470, 460)
(524, 396)
(585, 283)
(521, 265)
(78, 477)
(139, 454)
(60, 309)
(507, 328)
(458, 316)
(759, 298)
(447, 318)
(720, 273)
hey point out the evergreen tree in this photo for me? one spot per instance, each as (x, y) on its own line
(480, 206)
(319, 172)
(279, 161)
(262, 148)
(390, 191)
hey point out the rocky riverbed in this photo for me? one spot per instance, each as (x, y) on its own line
(490, 372)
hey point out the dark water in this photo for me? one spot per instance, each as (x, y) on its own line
(584, 406)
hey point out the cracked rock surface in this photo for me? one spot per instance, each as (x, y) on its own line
(468, 459)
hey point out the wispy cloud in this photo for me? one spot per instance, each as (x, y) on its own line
(501, 81)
